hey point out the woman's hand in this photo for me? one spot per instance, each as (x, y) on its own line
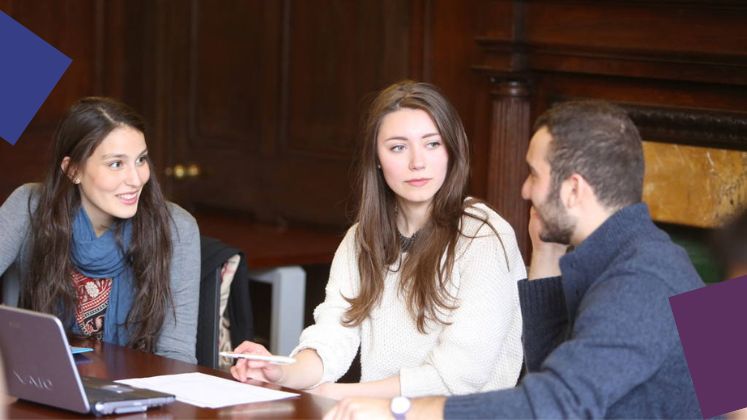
(256, 369)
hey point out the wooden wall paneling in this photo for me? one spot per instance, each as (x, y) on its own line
(450, 53)
(72, 27)
(667, 27)
(451, 28)
(645, 46)
(340, 53)
(185, 117)
(230, 66)
(509, 140)
(266, 97)
(421, 33)
(331, 50)
(652, 57)
(124, 47)
(497, 20)
(479, 120)
(141, 78)
(724, 97)
(225, 101)
(149, 72)
(167, 64)
(508, 86)
(689, 41)
(230, 107)
(494, 19)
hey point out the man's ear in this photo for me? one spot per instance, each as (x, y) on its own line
(579, 191)
(569, 191)
(70, 171)
(574, 191)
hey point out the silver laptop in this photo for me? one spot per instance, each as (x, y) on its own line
(40, 367)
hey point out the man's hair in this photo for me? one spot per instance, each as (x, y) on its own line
(598, 141)
(729, 242)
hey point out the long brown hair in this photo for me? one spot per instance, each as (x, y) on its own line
(423, 277)
(49, 287)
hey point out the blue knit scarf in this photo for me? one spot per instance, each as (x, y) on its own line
(101, 257)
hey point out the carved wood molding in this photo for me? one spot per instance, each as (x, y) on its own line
(705, 128)
(503, 56)
(689, 126)
(710, 4)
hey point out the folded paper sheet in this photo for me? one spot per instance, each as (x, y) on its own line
(207, 391)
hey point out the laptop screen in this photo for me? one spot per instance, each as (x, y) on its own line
(39, 367)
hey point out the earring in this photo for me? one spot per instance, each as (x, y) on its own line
(378, 165)
(76, 181)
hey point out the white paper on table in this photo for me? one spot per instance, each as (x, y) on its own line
(207, 391)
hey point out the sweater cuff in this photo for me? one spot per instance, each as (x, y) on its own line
(304, 346)
(541, 296)
(327, 357)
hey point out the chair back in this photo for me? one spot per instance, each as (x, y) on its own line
(208, 320)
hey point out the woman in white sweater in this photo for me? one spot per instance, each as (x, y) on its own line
(425, 281)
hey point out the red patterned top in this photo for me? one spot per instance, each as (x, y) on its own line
(93, 299)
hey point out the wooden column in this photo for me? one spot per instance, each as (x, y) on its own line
(507, 170)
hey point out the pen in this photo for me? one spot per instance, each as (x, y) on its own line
(78, 350)
(278, 360)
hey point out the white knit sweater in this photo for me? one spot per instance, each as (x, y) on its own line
(479, 350)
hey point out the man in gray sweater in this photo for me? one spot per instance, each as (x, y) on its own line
(599, 336)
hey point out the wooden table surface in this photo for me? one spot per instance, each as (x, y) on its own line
(114, 362)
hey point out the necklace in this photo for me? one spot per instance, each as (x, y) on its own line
(405, 243)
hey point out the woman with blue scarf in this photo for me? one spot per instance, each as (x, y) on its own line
(97, 244)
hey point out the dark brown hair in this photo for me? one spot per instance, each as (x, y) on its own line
(598, 141)
(423, 277)
(728, 243)
(49, 286)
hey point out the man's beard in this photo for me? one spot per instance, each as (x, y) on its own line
(557, 225)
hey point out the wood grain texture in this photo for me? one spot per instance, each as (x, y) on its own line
(267, 96)
(678, 67)
(507, 164)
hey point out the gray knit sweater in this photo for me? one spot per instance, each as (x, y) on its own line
(178, 335)
(601, 341)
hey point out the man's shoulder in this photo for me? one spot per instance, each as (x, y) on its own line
(655, 262)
